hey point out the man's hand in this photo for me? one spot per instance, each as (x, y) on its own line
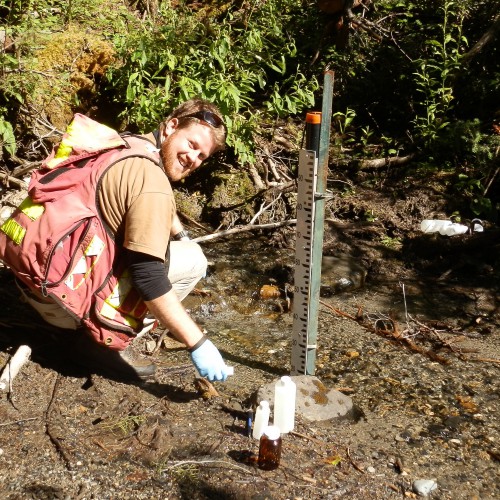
(208, 361)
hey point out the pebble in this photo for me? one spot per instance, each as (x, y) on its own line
(150, 345)
(423, 487)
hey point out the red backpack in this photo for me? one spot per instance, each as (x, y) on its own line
(57, 244)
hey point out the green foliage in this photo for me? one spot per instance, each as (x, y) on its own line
(472, 155)
(401, 83)
(436, 70)
(389, 242)
(7, 138)
(246, 56)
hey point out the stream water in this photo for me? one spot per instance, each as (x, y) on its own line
(439, 418)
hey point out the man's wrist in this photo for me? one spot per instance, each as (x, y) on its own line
(198, 344)
(181, 235)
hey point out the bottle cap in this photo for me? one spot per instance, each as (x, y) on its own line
(271, 431)
(229, 370)
(285, 380)
(313, 117)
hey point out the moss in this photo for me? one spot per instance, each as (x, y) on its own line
(321, 396)
(81, 59)
(232, 189)
(190, 204)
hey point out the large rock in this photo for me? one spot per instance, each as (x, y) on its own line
(315, 402)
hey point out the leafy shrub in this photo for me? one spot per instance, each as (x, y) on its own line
(246, 57)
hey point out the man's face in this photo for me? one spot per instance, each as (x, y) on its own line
(184, 149)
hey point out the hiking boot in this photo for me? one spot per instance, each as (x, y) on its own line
(140, 364)
(127, 364)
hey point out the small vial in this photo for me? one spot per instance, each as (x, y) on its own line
(261, 419)
(270, 448)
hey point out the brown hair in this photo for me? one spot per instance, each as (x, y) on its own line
(184, 111)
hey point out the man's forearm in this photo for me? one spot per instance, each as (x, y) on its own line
(169, 311)
(177, 226)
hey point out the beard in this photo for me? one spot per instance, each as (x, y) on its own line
(170, 161)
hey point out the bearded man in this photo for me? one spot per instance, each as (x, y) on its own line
(125, 263)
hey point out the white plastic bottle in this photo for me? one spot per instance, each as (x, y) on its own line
(455, 228)
(444, 227)
(261, 420)
(285, 392)
(434, 226)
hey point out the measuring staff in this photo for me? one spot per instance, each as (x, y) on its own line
(313, 167)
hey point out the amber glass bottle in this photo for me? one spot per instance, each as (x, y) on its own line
(270, 448)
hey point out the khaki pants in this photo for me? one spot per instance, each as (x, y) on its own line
(188, 265)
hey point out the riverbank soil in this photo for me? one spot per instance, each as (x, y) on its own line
(408, 328)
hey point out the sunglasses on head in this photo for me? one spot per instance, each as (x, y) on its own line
(207, 117)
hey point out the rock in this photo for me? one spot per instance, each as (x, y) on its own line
(315, 402)
(340, 274)
(423, 487)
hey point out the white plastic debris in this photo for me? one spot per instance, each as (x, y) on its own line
(21, 356)
(444, 227)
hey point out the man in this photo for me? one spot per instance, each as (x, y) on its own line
(135, 204)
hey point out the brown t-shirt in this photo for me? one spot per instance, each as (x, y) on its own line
(137, 202)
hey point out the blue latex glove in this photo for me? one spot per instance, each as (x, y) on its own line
(208, 361)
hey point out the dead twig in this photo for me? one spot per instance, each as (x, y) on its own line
(235, 230)
(387, 327)
(485, 360)
(263, 209)
(48, 426)
(5, 424)
(12, 181)
(215, 463)
(191, 221)
(353, 463)
(160, 341)
(309, 438)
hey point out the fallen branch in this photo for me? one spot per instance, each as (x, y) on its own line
(353, 463)
(190, 220)
(309, 438)
(222, 463)
(253, 227)
(485, 360)
(487, 38)
(263, 209)
(388, 328)
(18, 360)
(25, 167)
(12, 181)
(375, 164)
(18, 421)
(48, 426)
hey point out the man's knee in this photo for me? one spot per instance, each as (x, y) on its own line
(187, 261)
(200, 261)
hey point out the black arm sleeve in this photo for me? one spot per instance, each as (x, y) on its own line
(149, 275)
